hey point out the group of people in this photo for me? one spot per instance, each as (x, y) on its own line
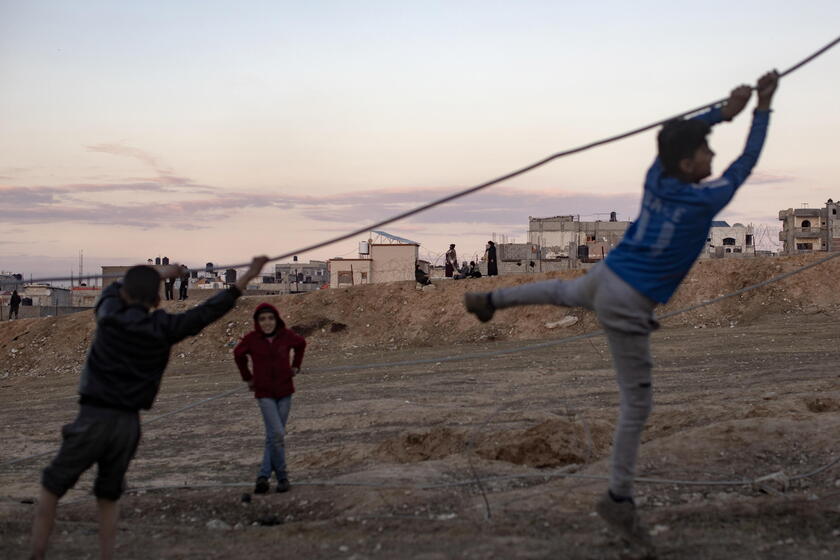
(453, 270)
(184, 283)
(131, 347)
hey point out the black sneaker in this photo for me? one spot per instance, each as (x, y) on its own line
(479, 304)
(283, 485)
(262, 485)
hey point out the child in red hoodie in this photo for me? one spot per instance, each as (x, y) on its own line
(269, 345)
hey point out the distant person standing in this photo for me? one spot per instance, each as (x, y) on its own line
(168, 288)
(492, 266)
(14, 305)
(451, 261)
(185, 282)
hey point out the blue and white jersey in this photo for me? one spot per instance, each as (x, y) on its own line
(661, 245)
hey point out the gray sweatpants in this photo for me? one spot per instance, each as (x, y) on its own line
(627, 318)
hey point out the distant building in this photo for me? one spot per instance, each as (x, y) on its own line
(806, 230)
(84, 296)
(208, 283)
(10, 282)
(44, 295)
(297, 277)
(382, 258)
(112, 274)
(725, 240)
(561, 236)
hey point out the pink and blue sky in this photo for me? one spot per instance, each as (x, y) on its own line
(213, 131)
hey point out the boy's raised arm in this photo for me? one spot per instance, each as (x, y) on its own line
(741, 168)
(191, 322)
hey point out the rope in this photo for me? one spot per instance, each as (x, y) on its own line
(473, 482)
(505, 177)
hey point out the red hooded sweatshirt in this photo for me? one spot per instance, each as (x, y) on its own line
(272, 374)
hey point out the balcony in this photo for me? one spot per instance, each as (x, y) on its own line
(808, 232)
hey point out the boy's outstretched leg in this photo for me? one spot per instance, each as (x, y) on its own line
(569, 293)
(43, 524)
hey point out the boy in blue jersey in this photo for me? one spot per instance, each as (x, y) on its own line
(644, 270)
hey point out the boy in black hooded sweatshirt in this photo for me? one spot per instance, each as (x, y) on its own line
(121, 375)
(270, 345)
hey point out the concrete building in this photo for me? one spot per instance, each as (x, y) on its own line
(382, 258)
(84, 296)
(208, 283)
(298, 277)
(115, 274)
(725, 240)
(44, 295)
(806, 230)
(560, 236)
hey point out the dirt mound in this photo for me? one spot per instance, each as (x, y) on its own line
(552, 443)
(434, 444)
(397, 315)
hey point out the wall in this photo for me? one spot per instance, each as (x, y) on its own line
(361, 272)
(31, 311)
(558, 232)
(393, 263)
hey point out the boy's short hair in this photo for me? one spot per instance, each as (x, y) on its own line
(142, 284)
(679, 139)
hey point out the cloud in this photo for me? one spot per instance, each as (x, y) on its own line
(763, 178)
(117, 149)
(503, 207)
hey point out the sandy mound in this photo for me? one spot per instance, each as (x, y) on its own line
(553, 443)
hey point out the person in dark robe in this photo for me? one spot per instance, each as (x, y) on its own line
(492, 265)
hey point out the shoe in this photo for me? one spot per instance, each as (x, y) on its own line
(623, 519)
(479, 304)
(262, 485)
(283, 485)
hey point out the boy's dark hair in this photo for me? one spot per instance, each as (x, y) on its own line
(678, 140)
(142, 284)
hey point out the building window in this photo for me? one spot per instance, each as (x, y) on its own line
(737, 250)
(728, 250)
(729, 241)
(806, 223)
(804, 246)
(749, 239)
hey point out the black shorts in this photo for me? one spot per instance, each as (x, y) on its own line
(103, 436)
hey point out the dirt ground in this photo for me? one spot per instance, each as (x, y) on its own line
(384, 461)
